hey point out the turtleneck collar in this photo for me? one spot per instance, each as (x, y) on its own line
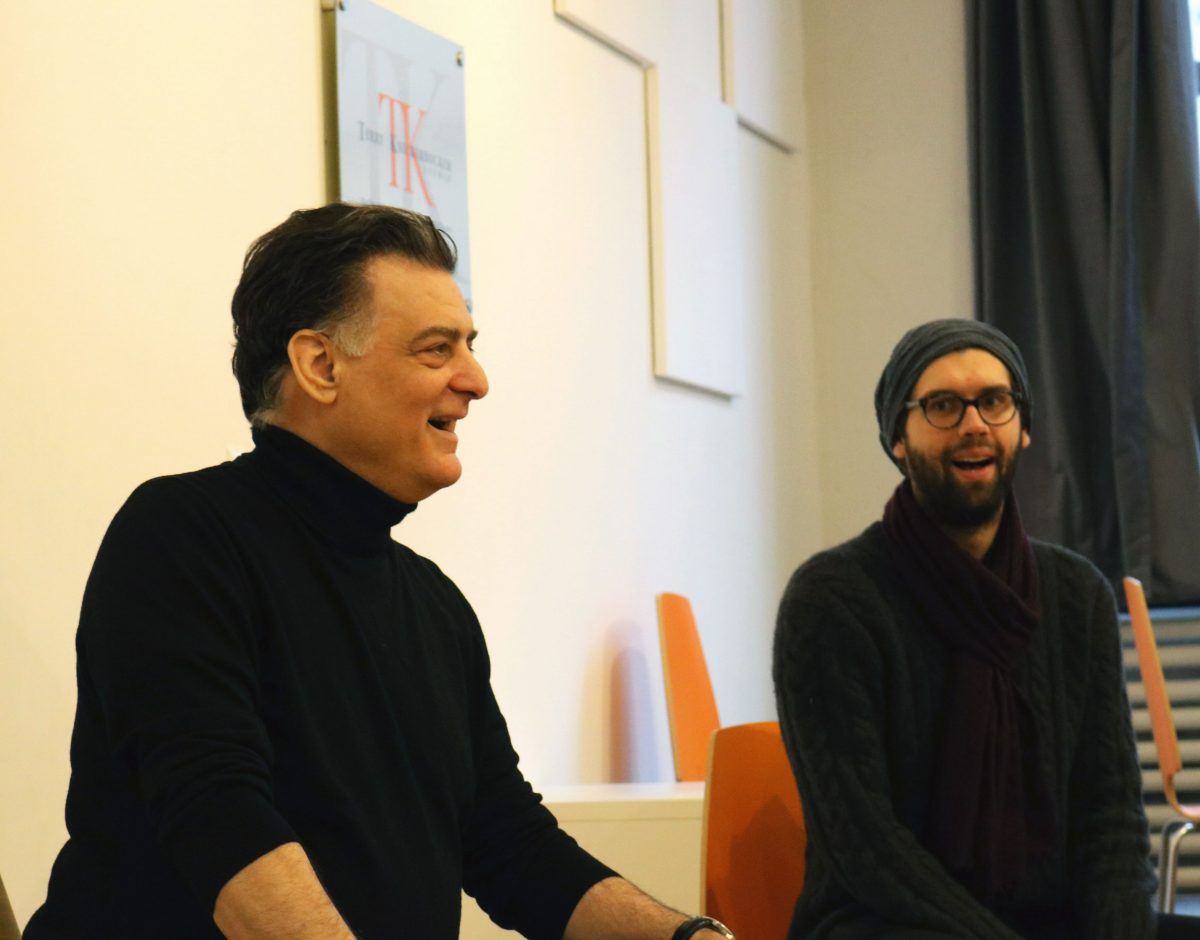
(335, 501)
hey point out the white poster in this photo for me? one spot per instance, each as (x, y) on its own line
(401, 113)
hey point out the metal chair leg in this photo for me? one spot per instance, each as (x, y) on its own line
(1168, 856)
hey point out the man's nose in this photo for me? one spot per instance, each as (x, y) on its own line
(471, 378)
(972, 421)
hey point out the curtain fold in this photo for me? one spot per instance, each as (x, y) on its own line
(1087, 253)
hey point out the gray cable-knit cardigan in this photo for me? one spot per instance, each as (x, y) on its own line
(858, 683)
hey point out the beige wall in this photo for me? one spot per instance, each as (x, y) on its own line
(146, 143)
(886, 107)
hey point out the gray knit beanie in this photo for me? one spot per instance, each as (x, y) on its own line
(919, 347)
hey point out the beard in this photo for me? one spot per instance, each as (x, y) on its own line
(949, 501)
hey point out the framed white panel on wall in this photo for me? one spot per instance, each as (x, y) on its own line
(692, 176)
(763, 65)
(696, 266)
(680, 35)
(401, 117)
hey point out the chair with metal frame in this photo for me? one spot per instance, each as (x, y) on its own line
(752, 859)
(1166, 743)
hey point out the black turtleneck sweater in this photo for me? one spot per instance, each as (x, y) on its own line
(259, 663)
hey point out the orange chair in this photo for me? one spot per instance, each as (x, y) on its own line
(753, 854)
(1165, 743)
(691, 707)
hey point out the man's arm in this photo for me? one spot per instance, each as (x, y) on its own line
(278, 895)
(1111, 877)
(613, 909)
(829, 682)
(168, 651)
(522, 869)
(525, 872)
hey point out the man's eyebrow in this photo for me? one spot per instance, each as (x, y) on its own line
(982, 391)
(446, 332)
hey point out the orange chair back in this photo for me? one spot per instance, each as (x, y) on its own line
(754, 838)
(1157, 703)
(691, 707)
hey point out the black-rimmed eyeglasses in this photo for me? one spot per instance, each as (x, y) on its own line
(945, 410)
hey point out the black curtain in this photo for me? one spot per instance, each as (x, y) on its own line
(1087, 253)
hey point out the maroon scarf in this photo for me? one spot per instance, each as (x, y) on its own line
(990, 810)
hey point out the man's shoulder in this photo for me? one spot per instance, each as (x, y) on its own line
(856, 578)
(170, 535)
(855, 562)
(213, 499)
(844, 601)
(209, 486)
(1066, 566)
(424, 566)
(189, 484)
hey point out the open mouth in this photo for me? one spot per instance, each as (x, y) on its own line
(974, 463)
(443, 424)
(975, 467)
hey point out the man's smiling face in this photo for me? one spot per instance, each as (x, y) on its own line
(961, 475)
(399, 403)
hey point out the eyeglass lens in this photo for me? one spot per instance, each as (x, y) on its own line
(945, 411)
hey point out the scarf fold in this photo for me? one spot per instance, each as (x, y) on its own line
(991, 811)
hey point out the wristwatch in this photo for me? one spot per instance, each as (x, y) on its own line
(696, 924)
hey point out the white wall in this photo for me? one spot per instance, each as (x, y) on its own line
(146, 143)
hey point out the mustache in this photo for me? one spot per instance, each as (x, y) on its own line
(988, 449)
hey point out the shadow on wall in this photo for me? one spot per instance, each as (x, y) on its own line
(633, 746)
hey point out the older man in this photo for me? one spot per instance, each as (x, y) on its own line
(951, 693)
(285, 725)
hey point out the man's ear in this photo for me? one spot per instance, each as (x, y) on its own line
(312, 356)
(1025, 439)
(898, 450)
